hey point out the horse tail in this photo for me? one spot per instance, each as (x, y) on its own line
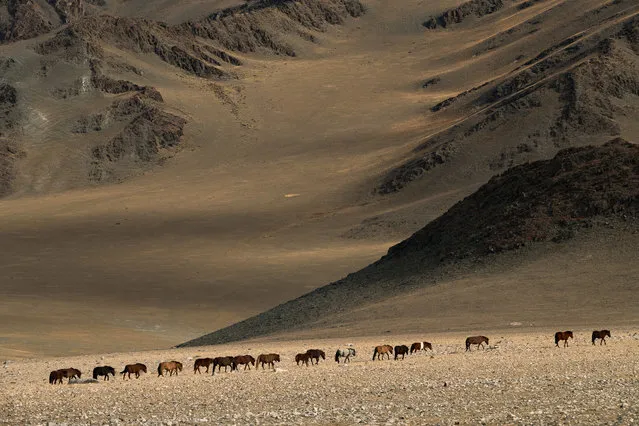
(159, 369)
(374, 353)
(594, 336)
(337, 356)
(557, 338)
(95, 373)
(52, 377)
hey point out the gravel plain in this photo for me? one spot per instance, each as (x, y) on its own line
(520, 379)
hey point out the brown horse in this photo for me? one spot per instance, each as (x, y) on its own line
(600, 334)
(476, 340)
(563, 335)
(246, 360)
(223, 361)
(303, 358)
(315, 354)
(401, 350)
(269, 359)
(56, 376)
(202, 362)
(420, 346)
(382, 350)
(170, 366)
(133, 369)
(103, 371)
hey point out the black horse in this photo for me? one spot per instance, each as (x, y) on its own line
(401, 350)
(103, 371)
(223, 361)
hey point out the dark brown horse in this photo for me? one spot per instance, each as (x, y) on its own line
(56, 376)
(170, 366)
(563, 335)
(245, 360)
(420, 346)
(476, 340)
(269, 359)
(382, 350)
(202, 362)
(401, 350)
(315, 354)
(223, 361)
(103, 371)
(600, 334)
(303, 358)
(136, 369)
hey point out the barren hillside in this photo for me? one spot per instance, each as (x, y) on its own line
(171, 167)
(590, 191)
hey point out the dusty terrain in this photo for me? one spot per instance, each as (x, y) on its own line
(521, 379)
(161, 181)
(489, 253)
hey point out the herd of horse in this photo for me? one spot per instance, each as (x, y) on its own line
(312, 355)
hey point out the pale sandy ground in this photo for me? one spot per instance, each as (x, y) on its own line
(521, 379)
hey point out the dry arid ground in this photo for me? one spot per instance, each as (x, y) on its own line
(520, 379)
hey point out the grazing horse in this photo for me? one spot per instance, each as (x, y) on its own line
(133, 368)
(246, 360)
(600, 334)
(382, 350)
(202, 362)
(420, 346)
(346, 354)
(476, 340)
(563, 335)
(170, 366)
(401, 350)
(315, 354)
(303, 358)
(223, 361)
(269, 359)
(103, 371)
(58, 375)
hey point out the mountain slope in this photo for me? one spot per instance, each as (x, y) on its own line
(529, 204)
(171, 167)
